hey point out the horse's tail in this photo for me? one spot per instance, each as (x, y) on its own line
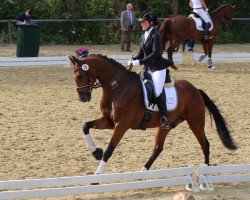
(164, 31)
(221, 125)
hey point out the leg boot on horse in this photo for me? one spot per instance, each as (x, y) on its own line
(163, 111)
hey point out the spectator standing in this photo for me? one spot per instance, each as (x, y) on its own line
(127, 27)
(24, 17)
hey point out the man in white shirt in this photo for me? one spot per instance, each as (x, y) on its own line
(127, 27)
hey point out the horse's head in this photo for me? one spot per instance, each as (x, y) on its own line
(85, 77)
(228, 14)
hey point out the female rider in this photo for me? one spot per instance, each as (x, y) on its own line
(150, 55)
(201, 9)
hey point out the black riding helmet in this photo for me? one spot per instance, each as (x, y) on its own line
(149, 16)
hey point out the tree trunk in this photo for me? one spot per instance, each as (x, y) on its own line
(175, 7)
(71, 6)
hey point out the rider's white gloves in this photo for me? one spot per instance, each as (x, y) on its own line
(136, 63)
(206, 9)
(130, 62)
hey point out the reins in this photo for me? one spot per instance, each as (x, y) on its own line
(113, 83)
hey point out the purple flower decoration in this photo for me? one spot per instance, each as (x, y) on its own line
(82, 51)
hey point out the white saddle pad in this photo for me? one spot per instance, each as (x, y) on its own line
(198, 23)
(171, 96)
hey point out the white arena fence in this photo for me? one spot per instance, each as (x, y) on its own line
(220, 57)
(222, 174)
(34, 61)
(78, 185)
(123, 59)
(61, 60)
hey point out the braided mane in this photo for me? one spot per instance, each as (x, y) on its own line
(108, 59)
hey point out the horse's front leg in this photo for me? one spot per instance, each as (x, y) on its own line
(205, 50)
(118, 133)
(158, 147)
(210, 64)
(101, 123)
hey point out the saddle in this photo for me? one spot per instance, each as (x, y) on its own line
(149, 97)
(199, 22)
(148, 92)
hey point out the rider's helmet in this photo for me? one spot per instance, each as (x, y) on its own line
(149, 16)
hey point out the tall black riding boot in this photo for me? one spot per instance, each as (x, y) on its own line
(163, 111)
(207, 32)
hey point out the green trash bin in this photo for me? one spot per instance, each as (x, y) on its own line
(28, 40)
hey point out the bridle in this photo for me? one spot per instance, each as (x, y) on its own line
(90, 86)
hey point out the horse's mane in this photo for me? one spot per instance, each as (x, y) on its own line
(222, 6)
(108, 59)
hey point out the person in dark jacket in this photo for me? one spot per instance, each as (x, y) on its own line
(24, 17)
(151, 57)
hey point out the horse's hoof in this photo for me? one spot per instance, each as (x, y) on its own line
(98, 153)
(174, 67)
(212, 67)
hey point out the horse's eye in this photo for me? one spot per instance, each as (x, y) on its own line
(80, 77)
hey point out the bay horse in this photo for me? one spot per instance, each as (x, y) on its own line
(122, 107)
(179, 28)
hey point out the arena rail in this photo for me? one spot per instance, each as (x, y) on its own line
(34, 61)
(222, 174)
(177, 57)
(76, 185)
(62, 60)
(229, 57)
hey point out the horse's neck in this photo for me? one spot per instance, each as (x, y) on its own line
(106, 73)
(218, 15)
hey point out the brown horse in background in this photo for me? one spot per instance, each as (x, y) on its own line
(122, 107)
(179, 28)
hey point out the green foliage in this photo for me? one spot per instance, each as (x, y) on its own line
(106, 32)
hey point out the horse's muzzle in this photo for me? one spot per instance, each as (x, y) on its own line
(84, 97)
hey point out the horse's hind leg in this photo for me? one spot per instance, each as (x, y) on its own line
(158, 147)
(196, 122)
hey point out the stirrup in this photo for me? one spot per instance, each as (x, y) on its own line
(165, 123)
(208, 37)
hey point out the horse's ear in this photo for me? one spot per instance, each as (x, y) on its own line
(234, 5)
(73, 59)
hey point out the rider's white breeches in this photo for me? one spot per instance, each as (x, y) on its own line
(158, 78)
(203, 14)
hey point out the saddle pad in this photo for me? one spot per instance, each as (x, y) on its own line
(198, 23)
(171, 96)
